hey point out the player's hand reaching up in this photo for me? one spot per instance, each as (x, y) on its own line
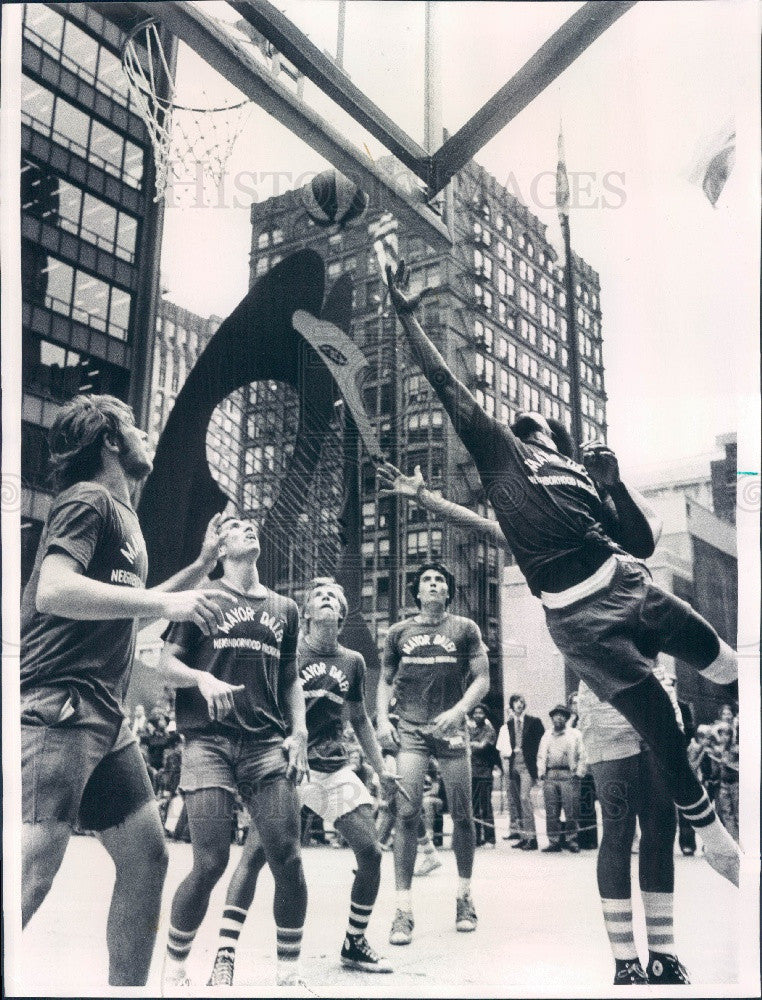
(203, 607)
(394, 481)
(602, 464)
(404, 302)
(295, 746)
(210, 547)
(218, 695)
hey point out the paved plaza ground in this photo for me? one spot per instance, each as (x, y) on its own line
(540, 930)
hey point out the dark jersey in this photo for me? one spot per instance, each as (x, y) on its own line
(94, 658)
(255, 647)
(429, 665)
(328, 681)
(554, 519)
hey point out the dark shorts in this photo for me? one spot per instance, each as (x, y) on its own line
(235, 762)
(87, 774)
(612, 638)
(415, 737)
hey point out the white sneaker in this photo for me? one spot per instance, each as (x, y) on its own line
(175, 982)
(427, 864)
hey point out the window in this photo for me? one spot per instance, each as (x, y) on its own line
(488, 337)
(512, 355)
(487, 300)
(526, 396)
(100, 219)
(502, 280)
(535, 399)
(504, 381)
(489, 371)
(489, 406)
(525, 364)
(533, 367)
(72, 123)
(505, 414)
(277, 237)
(81, 48)
(263, 241)
(513, 387)
(554, 383)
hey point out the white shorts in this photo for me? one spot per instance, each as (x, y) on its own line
(335, 794)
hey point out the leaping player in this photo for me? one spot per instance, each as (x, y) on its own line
(579, 534)
(437, 665)
(331, 675)
(239, 697)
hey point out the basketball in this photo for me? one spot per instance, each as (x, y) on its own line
(330, 199)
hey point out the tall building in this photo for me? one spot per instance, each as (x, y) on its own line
(181, 336)
(499, 319)
(90, 231)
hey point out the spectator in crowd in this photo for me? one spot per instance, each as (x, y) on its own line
(518, 743)
(704, 761)
(139, 721)
(727, 799)
(587, 837)
(482, 737)
(157, 738)
(560, 765)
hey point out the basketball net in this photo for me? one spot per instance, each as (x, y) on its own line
(183, 138)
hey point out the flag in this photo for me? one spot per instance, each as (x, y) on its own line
(562, 180)
(714, 160)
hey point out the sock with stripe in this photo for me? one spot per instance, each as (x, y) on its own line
(702, 816)
(289, 942)
(359, 916)
(659, 908)
(233, 918)
(617, 916)
(178, 948)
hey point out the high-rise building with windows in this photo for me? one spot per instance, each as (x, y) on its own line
(181, 336)
(499, 317)
(90, 230)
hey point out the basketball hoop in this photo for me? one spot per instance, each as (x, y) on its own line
(181, 135)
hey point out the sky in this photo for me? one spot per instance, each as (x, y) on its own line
(679, 278)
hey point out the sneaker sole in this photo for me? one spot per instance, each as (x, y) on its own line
(465, 928)
(350, 963)
(398, 939)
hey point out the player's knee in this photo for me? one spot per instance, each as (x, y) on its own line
(286, 866)
(369, 856)
(210, 865)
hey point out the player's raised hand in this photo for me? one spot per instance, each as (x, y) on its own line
(395, 482)
(601, 462)
(203, 607)
(210, 547)
(404, 302)
(218, 695)
(295, 746)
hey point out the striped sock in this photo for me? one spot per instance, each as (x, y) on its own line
(231, 927)
(659, 907)
(617, 916)
(359, 916)
(178, 948)
(289, 949)
(701, 813)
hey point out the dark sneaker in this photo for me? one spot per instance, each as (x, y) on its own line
(573, 848)
(520, 844)
(222, 973)
(631, 975)
(528, 845)
(552, 849)
(666, 970)
(356, 953)
(465, 914)
(513, 836)
(402, 928)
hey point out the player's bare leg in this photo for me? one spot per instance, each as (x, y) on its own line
(43, 846)
(139, 853)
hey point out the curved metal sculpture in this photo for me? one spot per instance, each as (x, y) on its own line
(256, 342)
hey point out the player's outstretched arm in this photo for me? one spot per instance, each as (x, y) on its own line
(64, 590)
(414, 488)
(455, 397)
(639, 526)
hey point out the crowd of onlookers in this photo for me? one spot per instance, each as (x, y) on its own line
(520, 766)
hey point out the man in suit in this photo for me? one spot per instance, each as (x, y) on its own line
(519, 742)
